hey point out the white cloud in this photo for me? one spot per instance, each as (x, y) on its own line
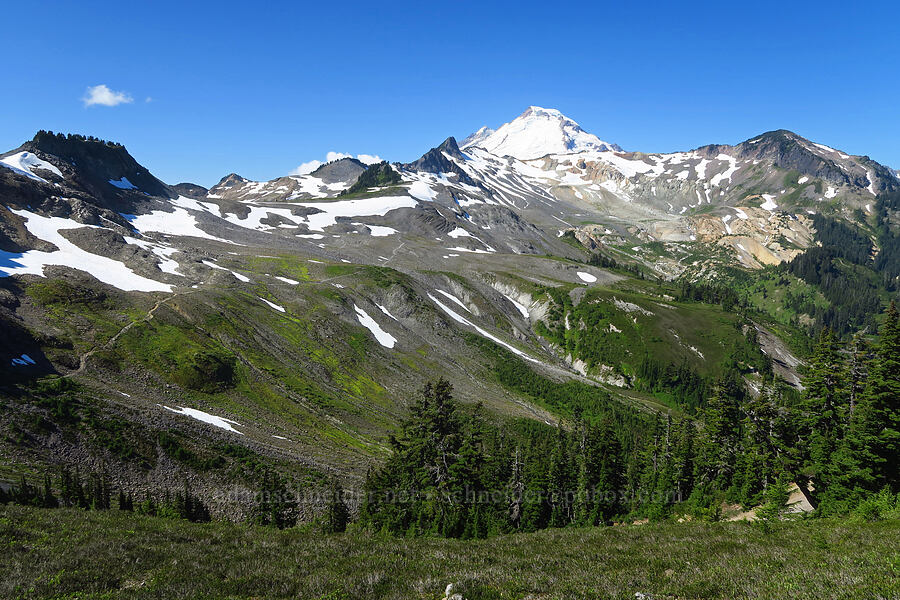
(103, 96)
(309, 167)
(369, 159)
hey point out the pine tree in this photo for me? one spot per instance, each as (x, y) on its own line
(759, 460)
(48, 500)
(825, 409)
(125, 502)
(423, 470)
(718, 441)
(560, 480)
(274, 506)
(337, 515)
(516, 489)
(876, 426)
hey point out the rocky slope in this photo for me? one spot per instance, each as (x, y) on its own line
(298, 321)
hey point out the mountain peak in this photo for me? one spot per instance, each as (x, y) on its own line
(544, 112)
(535, 133)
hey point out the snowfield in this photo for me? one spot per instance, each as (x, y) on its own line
(26, 163)
(383, 337)
(107, 270)
(193, 413)
(122, 184)
(462, 320)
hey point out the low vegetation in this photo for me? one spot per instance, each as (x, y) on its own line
(72, 554)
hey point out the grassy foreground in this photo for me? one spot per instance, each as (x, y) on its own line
(68, 553)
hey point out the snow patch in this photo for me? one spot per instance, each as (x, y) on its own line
(274, 306)
(464, 321)
(122, 184)
(107, 270)
(26, 163)
(383, 337)
(459, 232)
(453, 298)
(193, 413)
(586, 277)
(519, 306)
(420, 190)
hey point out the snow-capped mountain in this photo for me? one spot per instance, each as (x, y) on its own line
(414, 257)
(535, 133)
(510, 191)
(474, 139)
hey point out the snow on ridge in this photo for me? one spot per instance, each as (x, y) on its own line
(25, 163)
(104, 269)
(870, 175)
(769, 203)
(179, 222)
(728, 173)
(420, 190)
(123, 183)
(380, 230)
(453, 298)
(382, 336)
(462, 320)
(199, 415)
(519, 306)
(386, 311)
(363, 207)
(459, 232)
(166, 263)
(274, 306)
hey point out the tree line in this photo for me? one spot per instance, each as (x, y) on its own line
(454, 474)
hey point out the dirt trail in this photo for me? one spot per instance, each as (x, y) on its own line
(82, 363)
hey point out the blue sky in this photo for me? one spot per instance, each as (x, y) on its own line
(261, 88)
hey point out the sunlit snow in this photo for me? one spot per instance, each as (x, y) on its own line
(383, 337)
(26, 163)
(193, 413)
(460, 319)
(105, 269)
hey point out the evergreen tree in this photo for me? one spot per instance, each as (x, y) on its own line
(48, 500)
(125, 502)
(876, 426)
(337, 515)
(560, 479)
(719, 437)
(274, 505)
(419, 489)
(825, 408)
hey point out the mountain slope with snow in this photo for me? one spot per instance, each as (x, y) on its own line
(536, 133)
(308, 313)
